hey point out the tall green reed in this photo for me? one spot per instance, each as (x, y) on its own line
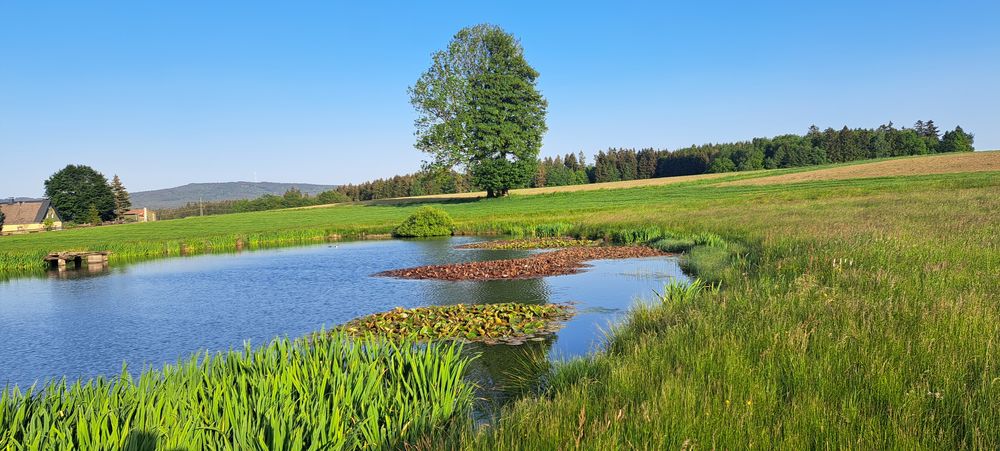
(332, 392)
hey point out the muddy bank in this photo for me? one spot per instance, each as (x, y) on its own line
(564, 261)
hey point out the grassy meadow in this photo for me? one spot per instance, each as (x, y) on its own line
(848, 313)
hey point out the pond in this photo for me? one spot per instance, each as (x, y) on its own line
(160, 311)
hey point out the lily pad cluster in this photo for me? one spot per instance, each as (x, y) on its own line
(553, 242)
(507, 323)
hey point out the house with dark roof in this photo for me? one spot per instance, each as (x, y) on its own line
(24, 216)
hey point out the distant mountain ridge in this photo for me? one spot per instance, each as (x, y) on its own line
(210, 192)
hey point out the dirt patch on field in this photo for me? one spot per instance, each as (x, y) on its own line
(565, 261)
(933, 164)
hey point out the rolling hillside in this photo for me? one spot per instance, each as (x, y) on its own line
(192, 192)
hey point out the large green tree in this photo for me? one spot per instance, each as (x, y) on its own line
(74, 189)
(956, 141)
(479, 108)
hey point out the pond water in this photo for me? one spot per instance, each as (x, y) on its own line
(161, 311)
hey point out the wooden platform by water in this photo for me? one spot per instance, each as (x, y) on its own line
(59, 260)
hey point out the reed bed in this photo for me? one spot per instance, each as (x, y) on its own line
(332, 392)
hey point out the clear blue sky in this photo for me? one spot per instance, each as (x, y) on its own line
(171, 92)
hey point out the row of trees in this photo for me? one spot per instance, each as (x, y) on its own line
(80, 194)
(290, 199)
(426, 182)
(815, 147)
(562, 170)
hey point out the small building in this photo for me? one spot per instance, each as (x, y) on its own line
(139, 215)
(29, 216)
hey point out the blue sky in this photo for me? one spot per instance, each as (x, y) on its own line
(168, 93)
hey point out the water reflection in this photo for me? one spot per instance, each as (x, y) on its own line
(84, 271)
(85, 324)
(503, 373)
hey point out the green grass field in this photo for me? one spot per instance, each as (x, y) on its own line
(851, 313)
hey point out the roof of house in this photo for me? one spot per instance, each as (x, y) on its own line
(136, 211)
(27, 212)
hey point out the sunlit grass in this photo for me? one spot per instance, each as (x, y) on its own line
(849, 313)
(855, 315)
(333, 392)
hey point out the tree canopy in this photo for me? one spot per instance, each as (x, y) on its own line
(478, 107)
(956, 141)
(74, 189)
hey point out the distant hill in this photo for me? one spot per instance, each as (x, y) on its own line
(192, 192)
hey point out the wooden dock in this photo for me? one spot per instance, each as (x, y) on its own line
(59, 260)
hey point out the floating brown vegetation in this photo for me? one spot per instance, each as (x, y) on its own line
(531, 243)
(507, 323)
(564, 261)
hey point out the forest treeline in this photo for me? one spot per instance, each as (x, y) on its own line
(814, 147)
(785, 151)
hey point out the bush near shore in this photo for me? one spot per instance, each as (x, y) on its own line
(425, 222)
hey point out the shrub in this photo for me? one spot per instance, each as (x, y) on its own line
(426, 221)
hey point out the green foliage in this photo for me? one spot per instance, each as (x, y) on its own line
(510, 323)
(332, 392)
(855, 320)
(426, 221)
(560, 171)
(92, 217)
(479, 108)
(122, 200)
(956, 141)
(708, 262)
(426, 182)
(676, 292)
(635, 235)
(74, 189)
(2, 218)
(673, 244)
